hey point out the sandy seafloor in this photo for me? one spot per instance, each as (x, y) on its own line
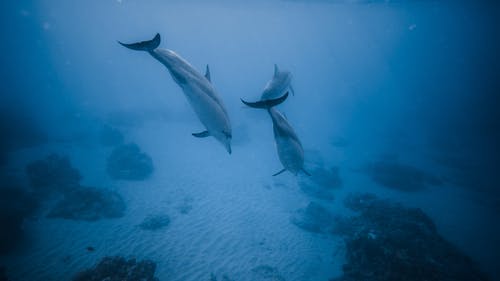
(240, 216)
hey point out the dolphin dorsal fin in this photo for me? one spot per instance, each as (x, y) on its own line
(276, 69)
(207, 74)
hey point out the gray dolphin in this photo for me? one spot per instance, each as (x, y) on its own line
(197, 88)
(278, 85)
(289, 148)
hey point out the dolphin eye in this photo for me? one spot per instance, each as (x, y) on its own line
(228, 135)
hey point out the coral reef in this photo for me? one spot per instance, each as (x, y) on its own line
(387, 241)
(119, 269)
(127, 162)
(89, 204)
(52, 174)
(313, 218)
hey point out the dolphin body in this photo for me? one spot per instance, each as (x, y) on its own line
(290, 151)
(197, 88)
(278, 85)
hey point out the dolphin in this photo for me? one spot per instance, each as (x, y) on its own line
(197, 88)
(289, 147)
(280, 82)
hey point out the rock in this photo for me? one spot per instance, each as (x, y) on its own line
(387, 241)
(127, 162)
(266, 272)
(155, 222)
(52, 174)
(314, 218)
(392, 174)
(89, 204)
(16, 205)
(322, 183)
(110, 136)
(119, 269)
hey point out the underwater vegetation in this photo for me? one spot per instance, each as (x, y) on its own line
(128, 162)
(387, 241)
(403, 177)
(119, 269)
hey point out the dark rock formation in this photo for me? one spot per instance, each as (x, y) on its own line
(387, 241)
(314, 218)
(392, 174)
(52, 174)
(89, 204)
(16, 204)
(155, 222)
(119, 269)
(127, 162)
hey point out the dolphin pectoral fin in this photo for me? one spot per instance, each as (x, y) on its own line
(305, 172)
(291, 89)
(148, 45)
(203, 134)
(207, 74)
(266, 103)
(279, 172)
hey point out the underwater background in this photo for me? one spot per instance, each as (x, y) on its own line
(396, 105)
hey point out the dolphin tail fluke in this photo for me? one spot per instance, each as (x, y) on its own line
(148, 46)
(266, 104)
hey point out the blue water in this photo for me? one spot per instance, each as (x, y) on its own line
(398, 99)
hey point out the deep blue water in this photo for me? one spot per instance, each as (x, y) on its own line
(392, 98)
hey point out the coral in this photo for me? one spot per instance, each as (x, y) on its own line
(119, 269)
(127, 162)
(387, 241)
(52, 174)
(89, 204)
